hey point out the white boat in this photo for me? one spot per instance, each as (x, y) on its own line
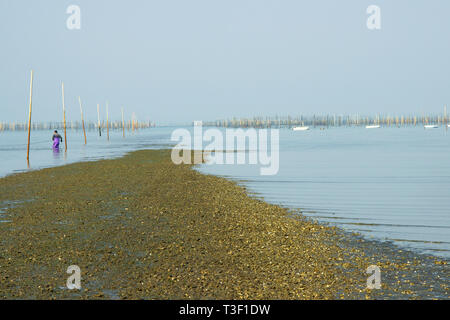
(300, 128)
(430, 126)
(448, 125)
(373, 127)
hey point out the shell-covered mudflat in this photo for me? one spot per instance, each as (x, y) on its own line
(141, 227)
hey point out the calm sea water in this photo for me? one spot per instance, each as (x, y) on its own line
(391, 184)
(13, 151)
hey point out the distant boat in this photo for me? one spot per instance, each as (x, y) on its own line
(300, 128)
(373, 127)
(430, 126)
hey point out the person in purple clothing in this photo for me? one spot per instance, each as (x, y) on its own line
(56, 140)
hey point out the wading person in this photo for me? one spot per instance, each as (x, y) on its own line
(56, 140)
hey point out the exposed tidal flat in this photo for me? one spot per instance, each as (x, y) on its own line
(140, 227)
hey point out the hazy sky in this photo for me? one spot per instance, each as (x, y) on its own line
(183, 60)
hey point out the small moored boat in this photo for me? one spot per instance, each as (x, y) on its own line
(300, 128)
(430, 126)
(373, 127)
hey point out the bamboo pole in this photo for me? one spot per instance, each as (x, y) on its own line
(82, 121)
(64, 117)
(445, 115)
(123, 125)
(29, 117)
(107, 120)
(98, 117)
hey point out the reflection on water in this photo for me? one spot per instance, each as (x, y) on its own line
(13, 147)
(389, 183)
(56, 153)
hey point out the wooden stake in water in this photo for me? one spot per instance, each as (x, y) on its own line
(29, 117)
(64, 117)
(107, 120)
(82, 121)
(445, 115)
(123, 125)
(98, 117)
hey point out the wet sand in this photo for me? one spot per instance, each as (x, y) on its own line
(140, 227)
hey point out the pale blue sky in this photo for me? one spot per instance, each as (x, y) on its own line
(183, 60)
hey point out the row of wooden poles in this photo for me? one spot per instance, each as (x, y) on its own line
(332, 120)
(130, 125)
(133, 123)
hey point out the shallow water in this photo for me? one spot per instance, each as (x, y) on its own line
(391, 183)
(13, 147)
